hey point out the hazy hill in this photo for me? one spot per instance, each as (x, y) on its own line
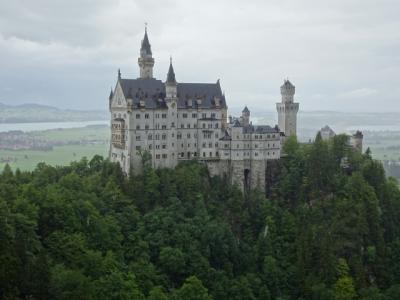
(29, 113)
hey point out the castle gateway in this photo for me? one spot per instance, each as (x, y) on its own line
(176, 121)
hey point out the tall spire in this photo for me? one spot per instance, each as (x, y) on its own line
(171, 73)
(146, 60)
(145, 49)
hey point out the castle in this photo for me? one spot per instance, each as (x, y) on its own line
(177, 121)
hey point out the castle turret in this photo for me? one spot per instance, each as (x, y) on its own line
(170, 84)
(357, 141)
(246, 116)
(172, 104)
(287, 110)
(146, 60)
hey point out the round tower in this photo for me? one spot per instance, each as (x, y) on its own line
(146, 60)
(246, 116)
(287, 109)
(287, 91)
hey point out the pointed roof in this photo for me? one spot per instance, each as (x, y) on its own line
(287, 84)
(246, 110)
(171, 73)
(111, 94)
(146, 47)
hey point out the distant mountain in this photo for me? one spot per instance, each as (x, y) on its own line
(32, 112)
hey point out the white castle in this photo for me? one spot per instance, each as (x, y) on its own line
(177, 121)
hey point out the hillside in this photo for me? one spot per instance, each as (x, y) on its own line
(31, 113)
(329, 229)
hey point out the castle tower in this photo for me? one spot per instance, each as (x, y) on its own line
(246, 116)
(172, 104)
(357, 141)
(287, 110)
(146, 60)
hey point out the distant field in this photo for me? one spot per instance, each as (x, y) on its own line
(60, 155)
(63, 155)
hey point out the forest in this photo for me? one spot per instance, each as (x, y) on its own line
(329, 228)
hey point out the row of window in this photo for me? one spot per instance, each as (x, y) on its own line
(184, 115)
(157, 126)
(257, 136)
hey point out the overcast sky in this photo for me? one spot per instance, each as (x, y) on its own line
(341, 55)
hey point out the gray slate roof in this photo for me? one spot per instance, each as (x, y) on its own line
(152, 91)
(260, 129)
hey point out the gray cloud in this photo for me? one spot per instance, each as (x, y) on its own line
(341, 55)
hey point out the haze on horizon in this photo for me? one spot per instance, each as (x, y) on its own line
(341, 55)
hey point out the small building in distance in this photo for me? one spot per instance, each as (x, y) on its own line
(355, 141)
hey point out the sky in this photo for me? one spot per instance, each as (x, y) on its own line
(341, 55)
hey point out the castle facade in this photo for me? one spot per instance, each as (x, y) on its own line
(176, 121)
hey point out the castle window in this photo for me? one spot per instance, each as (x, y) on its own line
(237, 146)
(157, 146)
(204, 115)
(188, 125)
(182, 126)
(157, 156)
(164, 146)
(150, 137)
(157, 116)
(146, 116)
(210, 125)
(216, 125)
(256, 154)
(138, 127)
(204, 125)
(268, 136)
(150, 146)
(204, 154)
(164, 116)
(195, 145)
(255, 146)
(216, 135)
(194, 115)
(195, 154)
(157, 136)
(213, 115)
(188, 154)
(210, 154)
(184, 116)
(204, 145)
(216, 154)
(182, 154)
(188, 135)
(216, 145)
(172, 124)
(138, 137)
(179, 136)
(164, 156)
(146, 126)
(164, 136)
(137, 116)
(209, 145)
(164, 127)
(226, 145)
(138, 148)
(195, 125)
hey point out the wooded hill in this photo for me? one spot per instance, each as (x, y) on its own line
(330, 229)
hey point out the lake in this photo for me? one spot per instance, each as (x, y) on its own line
(48, 125)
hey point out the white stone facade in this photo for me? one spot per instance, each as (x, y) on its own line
(184, 121)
